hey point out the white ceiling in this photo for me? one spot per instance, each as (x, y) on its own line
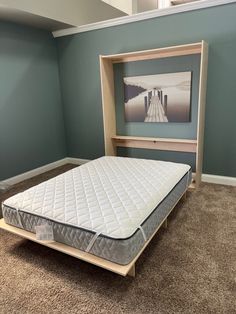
(57, 14)
(61, 14)
(133, 6)
(26, 18)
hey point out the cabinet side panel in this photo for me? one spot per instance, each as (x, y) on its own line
(108, 105)
(201, 111)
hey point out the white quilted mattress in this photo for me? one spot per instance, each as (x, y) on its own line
(110, 195)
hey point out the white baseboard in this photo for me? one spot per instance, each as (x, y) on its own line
(3, 187)
(76, 161)
(209, 178)
(33, 173)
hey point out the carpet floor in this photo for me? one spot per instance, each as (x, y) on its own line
(190, 267)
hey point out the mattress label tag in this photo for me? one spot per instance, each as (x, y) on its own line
(44, 233)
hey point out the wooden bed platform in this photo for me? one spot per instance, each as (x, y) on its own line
(122, 270)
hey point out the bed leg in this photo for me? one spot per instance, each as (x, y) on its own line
(131, 273)
(184, 196)
(165, 224)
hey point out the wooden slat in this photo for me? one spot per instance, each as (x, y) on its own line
(159, 139)
(157, 56)
(180, 145)
(155, 53)
(108, 101)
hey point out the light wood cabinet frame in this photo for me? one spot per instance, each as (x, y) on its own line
(113, 140)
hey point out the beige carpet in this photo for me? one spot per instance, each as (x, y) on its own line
(188, 268)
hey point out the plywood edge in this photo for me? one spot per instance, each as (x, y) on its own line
(201, 111)
(122, 270)
(182, 49)
(157, 55)
(108, 105)
(166, 144)
(154, 139)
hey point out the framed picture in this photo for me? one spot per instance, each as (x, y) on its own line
(158, 98)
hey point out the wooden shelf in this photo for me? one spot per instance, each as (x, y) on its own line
(169, 144)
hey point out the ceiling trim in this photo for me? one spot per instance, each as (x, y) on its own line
(202, 4)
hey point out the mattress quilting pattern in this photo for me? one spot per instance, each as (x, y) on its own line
(120, 251)
(110, 195)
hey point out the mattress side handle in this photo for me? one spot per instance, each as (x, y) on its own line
(92, 241)
(143, 233)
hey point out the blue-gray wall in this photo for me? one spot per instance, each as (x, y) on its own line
(170, 130)
(80, 81)
(31, 116)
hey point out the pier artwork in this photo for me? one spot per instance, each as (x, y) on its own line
(155, 106)
(158, 98)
